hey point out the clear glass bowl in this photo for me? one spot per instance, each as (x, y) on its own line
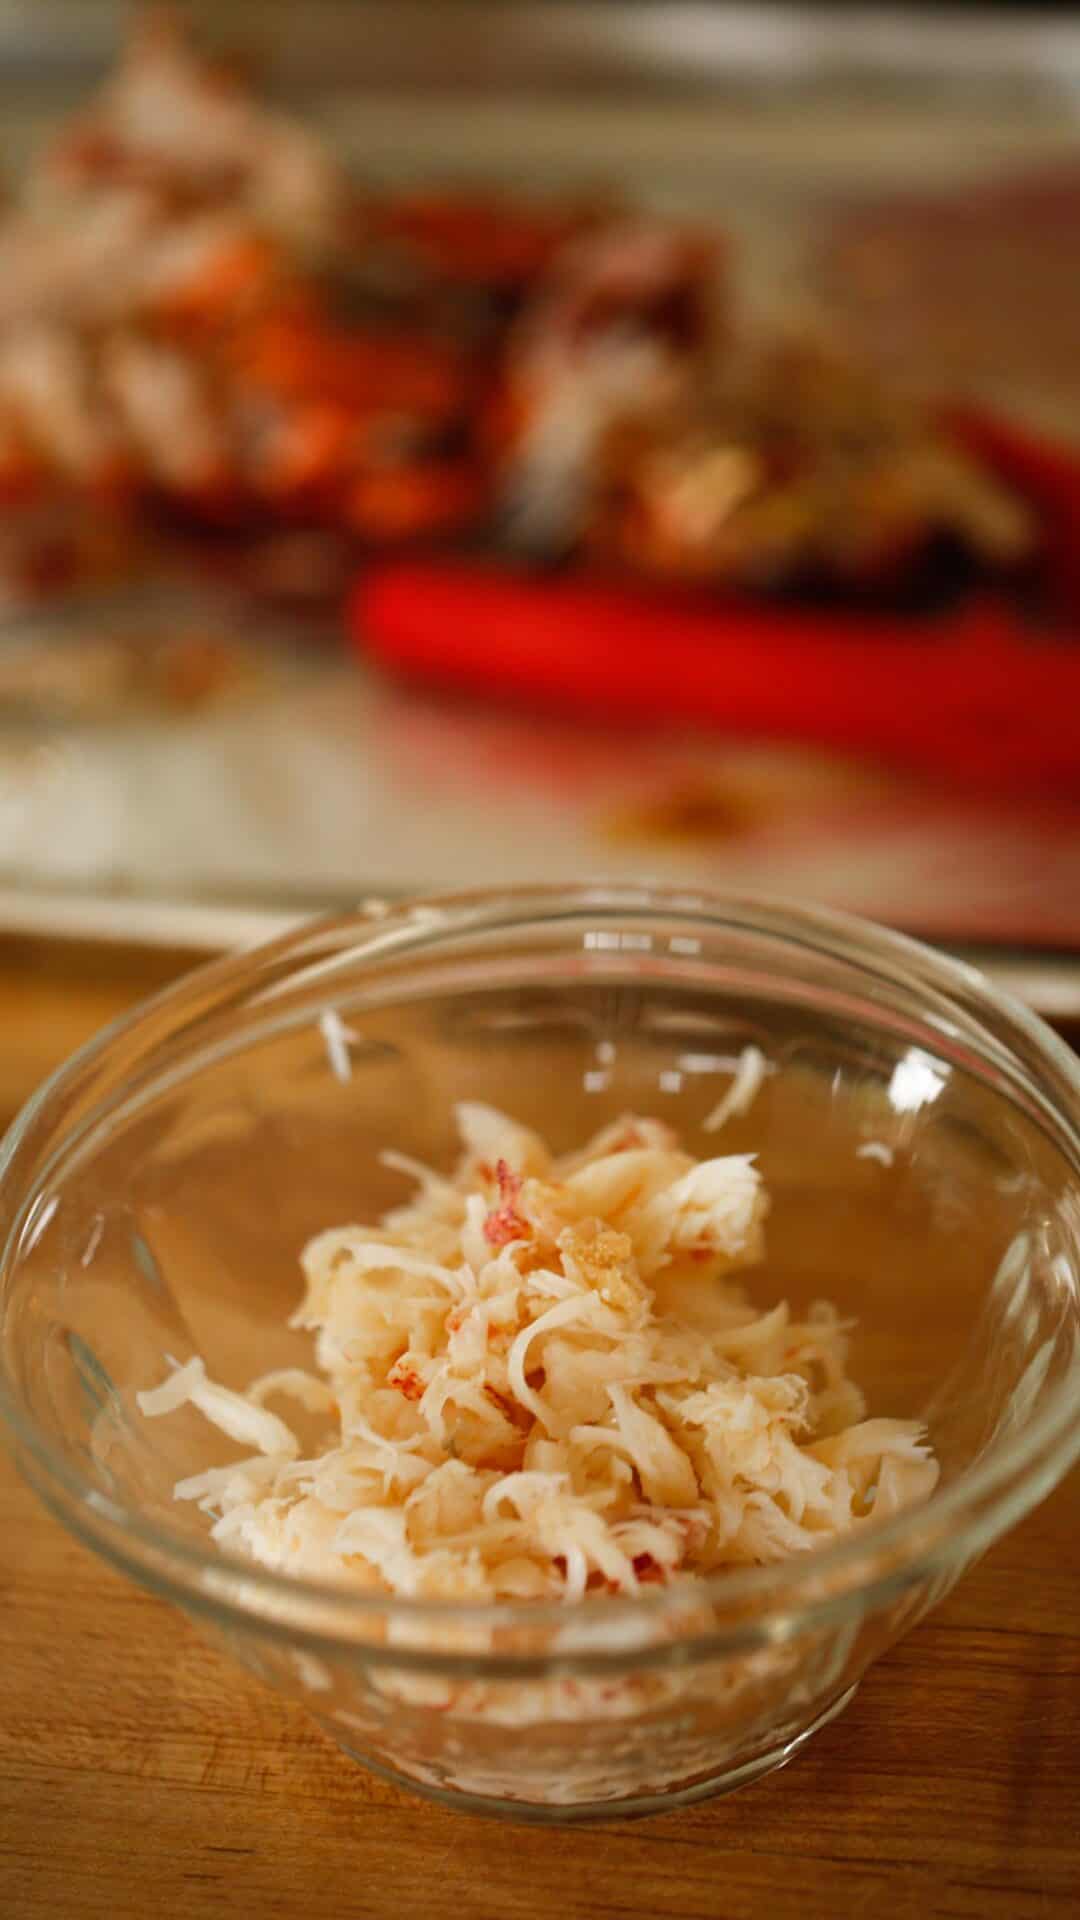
(156, 1193)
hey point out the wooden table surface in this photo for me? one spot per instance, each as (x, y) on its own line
(142, 1778)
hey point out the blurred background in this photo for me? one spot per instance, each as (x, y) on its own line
(478, 441)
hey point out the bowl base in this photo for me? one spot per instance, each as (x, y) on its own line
(540, 1813)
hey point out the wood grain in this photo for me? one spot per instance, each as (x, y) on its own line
(142, 1778)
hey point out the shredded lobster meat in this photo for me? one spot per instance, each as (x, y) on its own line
(541, 1379)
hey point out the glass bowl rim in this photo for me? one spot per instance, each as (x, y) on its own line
(958, 1522)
